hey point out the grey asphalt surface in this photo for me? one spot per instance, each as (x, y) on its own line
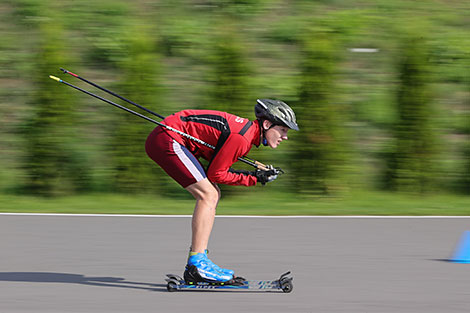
(117, 264)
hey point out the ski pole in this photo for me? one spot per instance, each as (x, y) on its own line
(258, 165)
(251, 162)
(111, 92)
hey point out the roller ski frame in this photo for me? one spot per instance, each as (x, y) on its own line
(284, 283)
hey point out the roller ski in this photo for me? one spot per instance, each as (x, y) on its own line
(284, 284)
(202, 274)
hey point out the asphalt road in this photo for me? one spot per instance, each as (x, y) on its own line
(117, 264)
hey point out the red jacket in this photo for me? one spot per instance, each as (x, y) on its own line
(232, 136)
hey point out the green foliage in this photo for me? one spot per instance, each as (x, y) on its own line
(28, 12)
(229, 88)
(463, 182)
(53, 164)
(449, 54)
(180, 36)
(411, 162)
(318, 156)
(103, 29)
(228, 81)
(133, 170)
(223, 55)
(236, 8)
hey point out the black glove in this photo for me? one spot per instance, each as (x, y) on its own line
(264, 177)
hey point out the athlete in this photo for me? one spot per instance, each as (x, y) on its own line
(232, 137)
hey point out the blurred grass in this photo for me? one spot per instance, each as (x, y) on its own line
(355, 203)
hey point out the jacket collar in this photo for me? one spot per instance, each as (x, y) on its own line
(257, 133)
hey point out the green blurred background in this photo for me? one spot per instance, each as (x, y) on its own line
(381, 89)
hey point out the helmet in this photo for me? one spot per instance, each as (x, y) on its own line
(277, 112)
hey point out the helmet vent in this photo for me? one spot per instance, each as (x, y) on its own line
(262, 104)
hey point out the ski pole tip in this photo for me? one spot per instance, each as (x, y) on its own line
(55, 78)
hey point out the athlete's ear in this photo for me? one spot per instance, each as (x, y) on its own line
(267, 124)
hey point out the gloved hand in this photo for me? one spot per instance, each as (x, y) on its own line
(266, 176)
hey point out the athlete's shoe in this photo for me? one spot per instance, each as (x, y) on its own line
(200, 269)
(217, 268)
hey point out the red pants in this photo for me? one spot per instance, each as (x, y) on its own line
(175, 159)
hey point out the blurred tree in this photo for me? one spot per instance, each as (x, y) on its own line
(318, 156)
(103, 26)
(411, 161)
(233, 8)
(134, 171)
(53, 163)
(229, 79)
(464, 183)
(28, 12)
(464, 177)
(229, 86)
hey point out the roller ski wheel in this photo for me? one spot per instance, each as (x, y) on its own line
(172, 286)
(285, 282)
(287, 287)
(173, 281)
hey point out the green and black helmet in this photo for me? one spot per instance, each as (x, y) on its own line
(277, 112)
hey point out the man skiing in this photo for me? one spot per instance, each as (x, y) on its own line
(232, 137)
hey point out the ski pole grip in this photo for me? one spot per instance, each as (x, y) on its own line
(261, 166)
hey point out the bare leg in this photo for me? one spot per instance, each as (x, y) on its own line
(207, 196)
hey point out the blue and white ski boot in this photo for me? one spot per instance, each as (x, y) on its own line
(201, 269)
(217, 268)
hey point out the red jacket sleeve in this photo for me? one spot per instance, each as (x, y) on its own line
(218, 172)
